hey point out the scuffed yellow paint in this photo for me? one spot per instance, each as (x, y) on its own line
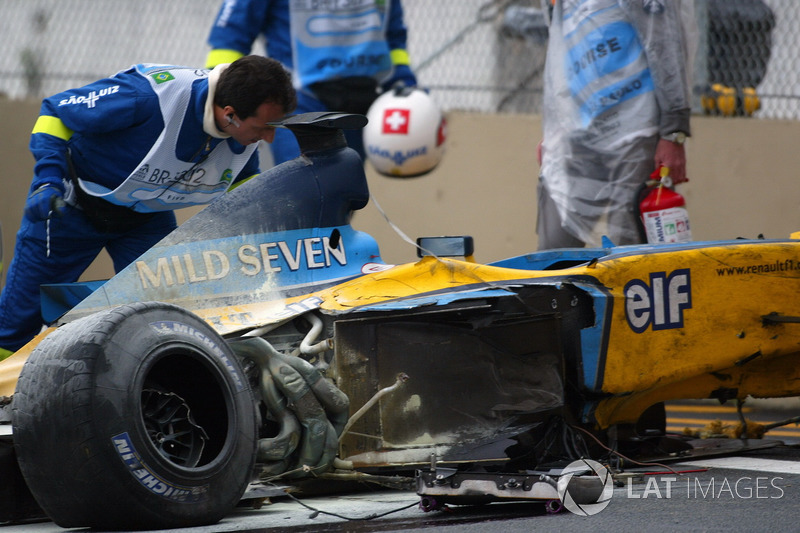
(429, 274)
(12, 366)
(772, 378)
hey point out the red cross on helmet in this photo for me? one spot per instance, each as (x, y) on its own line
(405, 134)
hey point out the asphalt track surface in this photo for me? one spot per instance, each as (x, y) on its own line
(758, 491)
(726, 490)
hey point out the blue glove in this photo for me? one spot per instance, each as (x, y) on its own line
(402, 74)
(44, 201)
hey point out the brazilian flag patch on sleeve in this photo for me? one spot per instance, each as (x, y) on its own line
(161, 77)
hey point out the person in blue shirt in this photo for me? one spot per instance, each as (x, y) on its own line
(115, 158)
(341, 54)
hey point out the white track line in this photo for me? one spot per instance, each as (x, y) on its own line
(745, 463)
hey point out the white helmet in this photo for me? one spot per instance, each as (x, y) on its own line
(405, 134)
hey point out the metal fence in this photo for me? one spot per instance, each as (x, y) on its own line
(475, 55)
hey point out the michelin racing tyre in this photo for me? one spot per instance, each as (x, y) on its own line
(138, 417)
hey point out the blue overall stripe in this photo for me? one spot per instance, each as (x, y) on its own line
(601, 52)
(615, 94)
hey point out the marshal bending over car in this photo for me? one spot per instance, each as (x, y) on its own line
(266, 340)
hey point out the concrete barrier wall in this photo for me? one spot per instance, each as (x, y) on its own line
(743, 182)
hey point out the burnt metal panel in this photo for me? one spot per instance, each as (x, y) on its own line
(472, 386)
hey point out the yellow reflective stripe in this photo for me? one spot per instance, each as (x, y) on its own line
(248, 178)
(52, 126)
(5, 353)
(400, 57)
(220, 56)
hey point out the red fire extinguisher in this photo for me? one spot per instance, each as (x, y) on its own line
(663, 211)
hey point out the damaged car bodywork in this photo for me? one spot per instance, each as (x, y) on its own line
(266, 339)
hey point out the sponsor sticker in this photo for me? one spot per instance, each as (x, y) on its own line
(372, 268)
(659, 303)
(149, 480)
(90, 99)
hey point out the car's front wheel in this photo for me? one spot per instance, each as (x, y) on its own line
(139, 417)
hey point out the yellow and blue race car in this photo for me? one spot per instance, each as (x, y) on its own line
(265, 341)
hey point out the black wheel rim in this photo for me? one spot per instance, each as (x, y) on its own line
(169, 424)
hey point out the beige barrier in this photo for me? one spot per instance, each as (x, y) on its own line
(742, 183)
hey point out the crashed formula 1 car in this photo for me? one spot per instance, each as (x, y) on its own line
(266, 340)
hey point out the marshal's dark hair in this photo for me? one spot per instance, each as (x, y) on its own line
(253, 80)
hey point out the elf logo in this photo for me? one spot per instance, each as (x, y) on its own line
(661, 303)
